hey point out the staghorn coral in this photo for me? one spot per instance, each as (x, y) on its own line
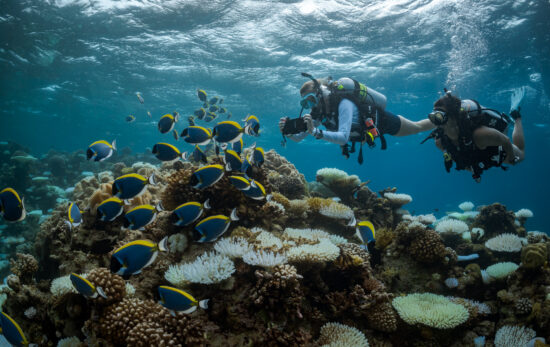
(432, 310)
(340, 335)
(233, 247)
(208, 268)
(534, 255)
(113, 285)
(24, 267)
(265, 259)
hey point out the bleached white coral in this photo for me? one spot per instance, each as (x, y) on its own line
(321, 252)
(257, 230)
(277, 205)
(504, 243)
(177, 243)
(337, 210)
(451, 226)
(329, 175)
(208, 268)
(266, 259)
(307, 234)
(451, 282)
(426, 219)
(501, 270)
(524, 213)
(513, 336)
(175, 275)
(433, 310)
(233, 247)
(466, 206)
(337, 239)
(69, 342)
(61, 286)
(268, 240)
(340, 335)
(478, 233)
(130, 289)
(398, 199)
(30, 312)
(482, 308)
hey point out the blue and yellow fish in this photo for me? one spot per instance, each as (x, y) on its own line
(210, 116)
(131, 185)
(196, 135)
(238, 146)
(200, 113)
(253, 124)
(130, 119)
(365, 232)
(167, 122)
(12, 207)
(12, 331)
(109, 209)
(228, 131)
(190, 121)
(74, 216)
(198, 155)
(141, 216)
(232, 160)
(258, 156)
(134, 256)
(222, 110)
(202, 95)
(213, 100)
(212, 227)
(247, 168)
(189, 212)
(213, 108)
(167, 152)
(85, 287)
(100, 150)
(239, 182)
(176, 300)
(257, 191)
(206, 176)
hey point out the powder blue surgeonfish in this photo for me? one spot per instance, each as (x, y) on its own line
(134, 256)
(202, 95)
(238, 146)
(199, 155)
(141, 216)
(206, 176)
(200, 113)
(12, 207)
(258, 156)
(74, 216)
(176, 300)
(131, 185)
(257, 191)
(167, 122)
(228, 131)
(232, 160)
(12, 331)
(253, 124)
(212, 227)
(85, 287)
(189, 212)
(196, 135)
(239, 182)
(167, 152)
(100, 150)
(246, 167)
(109, 209)
(365, 232)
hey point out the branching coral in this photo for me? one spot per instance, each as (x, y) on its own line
(264, 259)
(340, 335)
(233, 247)
(513, 336)
(208, 268)
(432, 310)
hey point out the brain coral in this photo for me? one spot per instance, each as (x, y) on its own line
(534, 255)
(433, 310)
(504, 243)
(340, 335)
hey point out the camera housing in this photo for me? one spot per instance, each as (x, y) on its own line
(294, 126)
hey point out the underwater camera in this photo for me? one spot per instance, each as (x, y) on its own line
(294, 126)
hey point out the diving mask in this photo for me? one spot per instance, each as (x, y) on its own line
(438, 117)
(309, 101)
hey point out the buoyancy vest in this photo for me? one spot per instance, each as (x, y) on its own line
(370, 105)
(465, 154)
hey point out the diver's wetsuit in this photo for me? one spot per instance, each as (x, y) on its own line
(348, 113)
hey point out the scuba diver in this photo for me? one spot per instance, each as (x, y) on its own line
(350, 112)
(474, 137)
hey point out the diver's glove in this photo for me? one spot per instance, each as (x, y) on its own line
(515, 113)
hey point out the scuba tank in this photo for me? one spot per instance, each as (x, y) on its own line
(485, 116)
(359, 92)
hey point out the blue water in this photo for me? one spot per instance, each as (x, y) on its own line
(70, 70)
